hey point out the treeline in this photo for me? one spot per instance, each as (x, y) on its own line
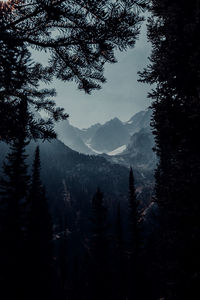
(25, 226)
(173, 30)
(76, 52)
(39, 255)
(106, 265)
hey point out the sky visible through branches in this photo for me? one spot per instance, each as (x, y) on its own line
(121, 96)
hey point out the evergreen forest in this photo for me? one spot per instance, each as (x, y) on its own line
(99, 227)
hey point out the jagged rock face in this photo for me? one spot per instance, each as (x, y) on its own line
(110, 136)
(84, 173)
(70, 136)
(140, 149)
(87, 134)
(105, 138)
(140, 120)
(129, 143)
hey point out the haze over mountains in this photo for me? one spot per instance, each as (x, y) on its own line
(64, 169)
(116, 146)
(127, 143)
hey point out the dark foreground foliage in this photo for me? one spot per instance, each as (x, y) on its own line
(102, 249)
(173, 31)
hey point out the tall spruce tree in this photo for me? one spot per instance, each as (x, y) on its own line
(99, 275)
(119, 267)
(134, 216)
(175, 62)
(14, 185)
(63, 247)
(134, 237)
(40, 237)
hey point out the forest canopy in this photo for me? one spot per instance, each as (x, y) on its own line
(79, 36)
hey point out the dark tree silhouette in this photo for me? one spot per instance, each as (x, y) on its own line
(63, 248)
(134, 216)
(14, 186)
(19, 81)
(175, 60)
(99, 271)
(79, 37)
(87, 32)
(134, 237)
(40, 237)
(119, 260)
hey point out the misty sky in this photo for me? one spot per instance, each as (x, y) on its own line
(121, 96)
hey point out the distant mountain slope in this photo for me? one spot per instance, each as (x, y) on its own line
(87, 134)
(104, 138)
(110, 136)
(117, 151)
(82, 174)
(71, 137)
(139, 153)
(140, 120)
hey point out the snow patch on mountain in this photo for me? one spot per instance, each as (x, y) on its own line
(117, 151)
(95, 151)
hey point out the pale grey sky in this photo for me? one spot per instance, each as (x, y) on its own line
(121, 96)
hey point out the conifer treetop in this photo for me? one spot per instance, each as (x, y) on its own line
(80, 36)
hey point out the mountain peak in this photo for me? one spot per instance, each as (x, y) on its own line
(110, 136)
(140, 120)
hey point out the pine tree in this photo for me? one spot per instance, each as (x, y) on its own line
(63, 261)
(87, 32)
(119, 233)
(174, 69)
(133, 216)
(134, 237)
(40, 236)
(63, 247)
(119, 268)
(99, 277)
(13, 206)
(19, 82)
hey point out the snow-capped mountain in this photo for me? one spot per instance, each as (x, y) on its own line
(87, 134)
(71, 137)
(61, 164)
(140, 120)
(110, 136)
(81, 173)
(139, 152)
(117, 150)
(127, 143)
